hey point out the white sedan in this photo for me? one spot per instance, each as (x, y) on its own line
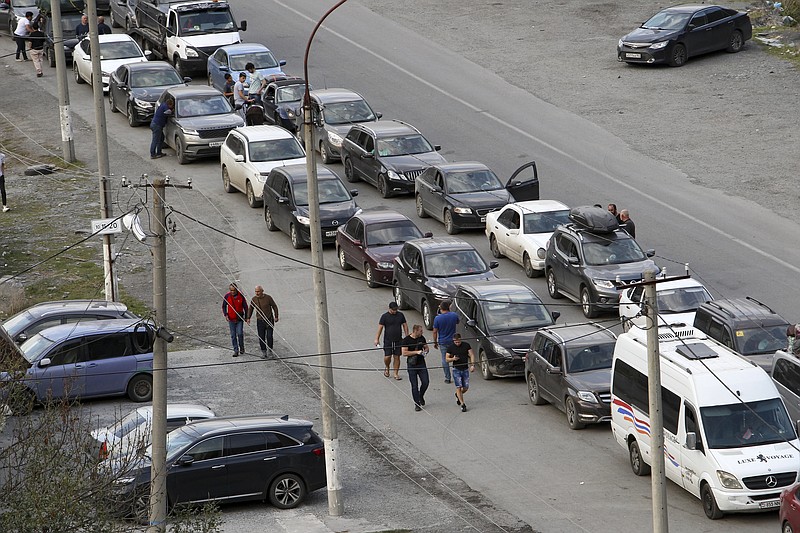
(250, 153)
(677, 302)
(115, 50)
(520, 231)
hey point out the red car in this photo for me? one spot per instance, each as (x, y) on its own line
(790, 509)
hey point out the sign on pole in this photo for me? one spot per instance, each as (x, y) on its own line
(106, 226)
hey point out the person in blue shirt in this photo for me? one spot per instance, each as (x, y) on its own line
(444, 327)
(157, 126)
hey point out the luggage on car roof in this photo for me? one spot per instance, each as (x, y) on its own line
(594, 219)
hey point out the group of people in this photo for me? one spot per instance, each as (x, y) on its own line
(235, 90)
(623, 219)
(237, 312)
(398, 342)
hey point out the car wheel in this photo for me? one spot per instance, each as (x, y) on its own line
(132, 122)
(639, 467)
(529, 270)
(787, 528)
(252, 201)
(427, 315)
(678, 57)
(420, 210)
(51, 57)
(140, 388)
(78, 78)
(111, 103)
(140, 507)
(383, 187)
(449, 225)
(486, 372)
(736, 42)
(369, 272)
(533, 390)
(226, 180)
(709, 503)
(294, 235)
(398, 297)
(493, 246)
(180, 151)
(572, 415)
(588, 308)
(552, 285)
(268, 220)
(287, 491)
(343, 261)
(349, 172)
(323, 154)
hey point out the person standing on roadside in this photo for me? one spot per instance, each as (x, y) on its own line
(626, 223)
(239, 98)
(82, 29)
(3, 182)
(102, 27)
(234, 309)
(256, 83)
(266, 311)
(21, 34)
(461, 355)
(37, 38)
(394, 327)
(157, 127)
(444, 327)
(415, 348)
(612, 208)
(228, 89)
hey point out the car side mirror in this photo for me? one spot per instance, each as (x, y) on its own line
(691, 27)
(379, 115)
(122, 87)
(354, 192)
(283, 200)
(436, 189)
(187, 79)
(21, 338)
(513, 231)
(691, 441)
(45, 362)
(185, 460)
(243, 26)
(556, 371)
(413, 272)
(555, 315)
(494, 264)
(574, 261)
(147, 53)
(238, 158)
(428, 235)
(471, 323)
(368, 155)
(650, 253)
(357, 243)
(224, 68)
(437, 147)
(282, 62)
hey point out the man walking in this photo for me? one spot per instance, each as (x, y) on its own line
(3, 182)
(460, 354)
(234, 309)
(37, 38)
(157, 127)
(444, 327)
(394, 327)
(266, 312)
(21, 34)
(626, 223)
(415, 348)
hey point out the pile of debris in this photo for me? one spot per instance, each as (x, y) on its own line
(777, 25)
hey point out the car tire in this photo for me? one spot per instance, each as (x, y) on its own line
(297, 240)
(349, 171)
(710, 506)
(589, 309)
(493, 247)
(449, 226)
(226, 181)
(736, 42)
(343, 264)
(78, 78)
(132, 122)
(571, 411)
(486, 372)
(268, 220)
(111, 102)
(323, 154)
(427, 315)
(528, 266)
(383, 187)
(552, 285)
(252, 201)
(287, 491)
(678, 56)
(140, 388)
(786, 527)
(534, 395)
(398, 297)
(140, 506)
(420, 210)
(180, 151)
(369, 273)
(639, 467)
(51, 57)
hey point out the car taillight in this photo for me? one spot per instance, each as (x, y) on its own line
(319, 452)
(103, 451)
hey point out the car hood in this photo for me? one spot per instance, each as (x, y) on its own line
(483, 199)
(336, 214)
(110, 65)
(264, 167)
(401, 163)
(516, 340)
(229, 120)
(536, 240)
(758, 460)
(150, 94)
(449, 285)
(643, 35)
(625, 271)
(385, 253)
(592, 380)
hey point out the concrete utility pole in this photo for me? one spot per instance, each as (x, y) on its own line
(101, 134)
(67, 144)
(329, 432)
(658, 478)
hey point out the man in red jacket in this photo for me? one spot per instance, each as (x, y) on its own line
(234, 309)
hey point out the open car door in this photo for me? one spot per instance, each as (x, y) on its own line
(524, 183)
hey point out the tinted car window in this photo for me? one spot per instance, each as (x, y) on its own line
(787, 374)
(241, 443)
(279, 440)
(107, 346)
(155, 78)
(68, 353)
(714, 14)
(509, 218)
(698, 20)
(207, 449)
(524, 312)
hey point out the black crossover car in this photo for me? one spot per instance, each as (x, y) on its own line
(134, 88)
(677, 33)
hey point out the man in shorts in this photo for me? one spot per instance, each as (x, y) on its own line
(394, 327)
(444, 327)
(460, 354)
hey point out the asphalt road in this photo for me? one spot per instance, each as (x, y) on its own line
(523, 458)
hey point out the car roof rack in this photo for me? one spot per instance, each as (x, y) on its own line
(593, 219)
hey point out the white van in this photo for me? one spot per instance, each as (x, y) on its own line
(727, 437)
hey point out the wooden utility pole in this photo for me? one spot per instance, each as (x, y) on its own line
(67, 141)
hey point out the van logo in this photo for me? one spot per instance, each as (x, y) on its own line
(761, 458)
(772, 481)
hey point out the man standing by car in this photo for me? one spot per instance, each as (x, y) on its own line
(460, 354)
(444, 327)
(82, 29)
(394, 327)
(21, 34)
(102, 27)
(266, 315)
(157, 126)
(256, 83)
(626, 223)
(234, 309)
(415, 348)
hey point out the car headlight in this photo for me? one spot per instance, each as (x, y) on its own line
(462, 210)
(191, 52)
(541, 253)
(303, 220)
(188, 131)
(143, 103)
(385, 265)
(394, 175)
(728, 481)
(619, 43)
(261, 176)
(104, 74)
(603, 283)
(334, 139)
(587, 396)
(124, 480)
(502, 351)
(439, 293)
(658, 46)
(290, 113)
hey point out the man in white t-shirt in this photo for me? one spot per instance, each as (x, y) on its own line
(21, 34)
(239, 98)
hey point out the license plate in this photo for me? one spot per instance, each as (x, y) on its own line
(634, 56)
(768, 505)
(215, 144)
(330, 233)
(483, 219)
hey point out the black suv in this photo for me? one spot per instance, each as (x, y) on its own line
(591, 259)
(389, 155)
(744, 325)
(240, 458)
(570, 366)
(502, 316)
(428, 271)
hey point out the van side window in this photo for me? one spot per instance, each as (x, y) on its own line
(727, 340)
(538, 342)
(630, 386)
(671, 408)
(701, 321)
(788, 375)
(692, 427)
(108, 346)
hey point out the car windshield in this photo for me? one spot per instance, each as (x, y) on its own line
(545, 222)
(119, 50)
(506, 312)
(275, 150)
(155, 78)
(348, 112)
(747, 424)
(33, 348)
(331, 191)
(472, 181)
(667, 20)
(24, 3)
(177, 440)
(386, 233)
(403, 145)
(209, 21)
(681, 300)
(17, 323)
(593, 357)
(764, 339)
(131, 421)
(612, 252)
(454, 263)
(290, 93)
(263, 59)
(198, 106)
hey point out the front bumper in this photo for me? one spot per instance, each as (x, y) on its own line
(642, 55)
(592, 413)
(197, 147)
(509, 367)
(328, 233)
(473, 220)
(747, 502)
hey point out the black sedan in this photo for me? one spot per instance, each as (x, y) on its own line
(677, 33)
(460, 194)
(282, 100)
(134, 88)
(502, 316)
